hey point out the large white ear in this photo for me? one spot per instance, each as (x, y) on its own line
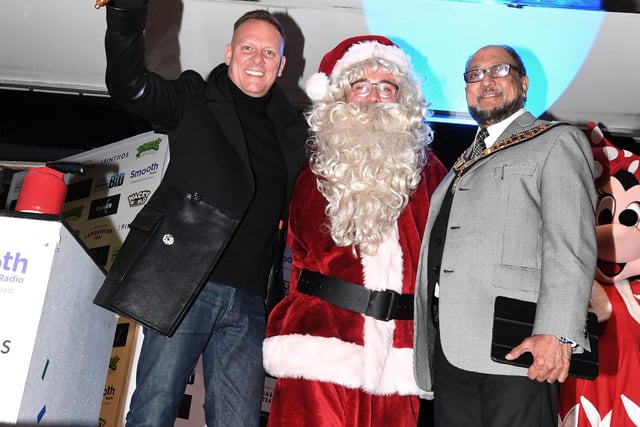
(317, 86)
(594, 133)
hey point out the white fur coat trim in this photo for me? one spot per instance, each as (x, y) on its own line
(340, 362)
(383, 270)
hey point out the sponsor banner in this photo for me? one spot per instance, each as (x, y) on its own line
(115, 388)
(27, 249)
(121, 177)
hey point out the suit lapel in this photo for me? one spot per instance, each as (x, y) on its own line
(523, 122)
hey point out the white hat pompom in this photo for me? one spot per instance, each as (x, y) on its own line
(317, 86)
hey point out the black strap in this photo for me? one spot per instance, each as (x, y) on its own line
(381, 305)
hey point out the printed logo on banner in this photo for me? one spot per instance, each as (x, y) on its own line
(109, 182)
(138, 198)
(142, 174)
(100, 254)
(150, 147)
(119, 340)
(122, 227)
(104, 207)
(73, 214)
(109, 393)
(78, 190)
(113, 363)
(98, 233)
(120, 337)
(267, 394)
(115, 158)
(13, 268)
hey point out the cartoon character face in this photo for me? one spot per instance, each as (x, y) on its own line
(618, 228)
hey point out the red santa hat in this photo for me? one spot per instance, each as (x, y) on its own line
(348, 53)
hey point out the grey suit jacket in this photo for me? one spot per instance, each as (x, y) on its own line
(521, 225)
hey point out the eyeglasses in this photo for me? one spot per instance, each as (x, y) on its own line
(385, 89)
(496, 71)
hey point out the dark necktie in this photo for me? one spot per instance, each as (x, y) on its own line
(478, 144)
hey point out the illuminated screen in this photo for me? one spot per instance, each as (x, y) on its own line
(440, 36)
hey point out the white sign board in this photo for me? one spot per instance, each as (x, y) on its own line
(27, 249)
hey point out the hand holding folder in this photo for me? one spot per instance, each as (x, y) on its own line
(513, 322)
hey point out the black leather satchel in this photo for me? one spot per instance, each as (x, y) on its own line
(172, 246)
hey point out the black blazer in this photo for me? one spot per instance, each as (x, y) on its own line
(208, 152)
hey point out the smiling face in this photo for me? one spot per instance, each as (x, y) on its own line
(254, 57)
(492, 100)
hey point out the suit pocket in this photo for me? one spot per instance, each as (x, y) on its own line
(506, 171)
(517, 278)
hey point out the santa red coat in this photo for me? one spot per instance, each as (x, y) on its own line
(310, 338)
(613, 398)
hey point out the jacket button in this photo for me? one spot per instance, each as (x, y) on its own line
(168, 239)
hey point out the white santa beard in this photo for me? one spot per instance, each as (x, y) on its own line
(367, 163)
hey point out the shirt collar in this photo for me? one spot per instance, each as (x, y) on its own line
(496, 130)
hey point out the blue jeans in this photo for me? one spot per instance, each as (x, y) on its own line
(227, 327)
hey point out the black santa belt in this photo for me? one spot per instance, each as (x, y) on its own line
(381, 305)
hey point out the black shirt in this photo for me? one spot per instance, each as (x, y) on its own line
(246, 262)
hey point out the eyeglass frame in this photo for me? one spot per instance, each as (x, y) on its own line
(377, 85)
(489, 70)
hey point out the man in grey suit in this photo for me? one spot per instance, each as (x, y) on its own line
(515, 219)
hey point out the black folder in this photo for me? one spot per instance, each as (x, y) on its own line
(513, 322)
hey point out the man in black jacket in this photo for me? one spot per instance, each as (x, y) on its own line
(236, 147)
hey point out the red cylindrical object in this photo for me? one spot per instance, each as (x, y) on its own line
(43, 190)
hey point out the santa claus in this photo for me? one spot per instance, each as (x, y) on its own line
(340, 344)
